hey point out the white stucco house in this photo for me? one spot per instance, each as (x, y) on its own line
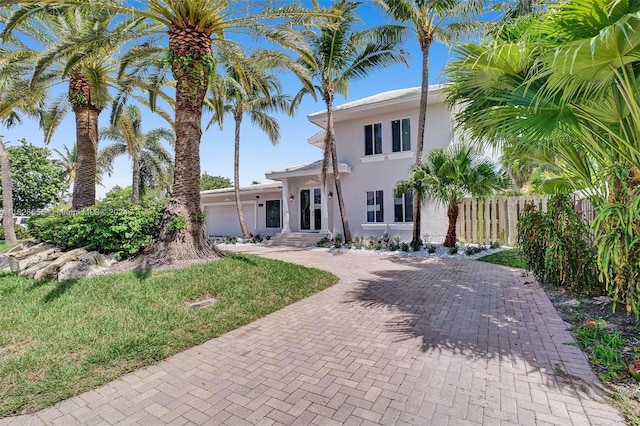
(375, 139)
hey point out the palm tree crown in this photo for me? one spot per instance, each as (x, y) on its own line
(150, 159)
(450, 174)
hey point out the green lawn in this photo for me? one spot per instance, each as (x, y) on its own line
(511, 257)
(4, 246)
(58, 339)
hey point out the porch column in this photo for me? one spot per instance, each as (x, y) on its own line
(324, 229)
(285, 207)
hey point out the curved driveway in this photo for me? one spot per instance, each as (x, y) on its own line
(396, 341)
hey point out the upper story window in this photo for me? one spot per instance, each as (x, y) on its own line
(401, 135)
(375, 206)
(403, 208)
(373, 139)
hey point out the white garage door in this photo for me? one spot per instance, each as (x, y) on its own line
(223, 220)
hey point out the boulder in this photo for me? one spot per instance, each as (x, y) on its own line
(28, 251)
(51, 271)
(79, 269)
(39, 257)
(31, 271)
(99, 259)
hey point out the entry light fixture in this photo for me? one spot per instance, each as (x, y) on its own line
(291, 198)
(330, 195)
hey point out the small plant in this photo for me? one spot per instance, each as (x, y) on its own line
(377, 246)
(471, 250)
(178, 223)
(495, 244)
(256, 239)
(231, 240)
(453, 250)
(397, 239)
(337, 241)
(404, 246)
(393, 246)
(416, 245)
(604, 348)
(358, 245)
(324, 243)
(431, 248)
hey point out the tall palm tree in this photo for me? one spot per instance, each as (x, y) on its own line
(16, 98)
(431, 20)
(337, 53)
(150, 160)
(450, 174)
(80, 50)
(248, 87)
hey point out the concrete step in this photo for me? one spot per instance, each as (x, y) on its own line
(294, 239)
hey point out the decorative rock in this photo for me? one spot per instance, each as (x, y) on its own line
(31, 250)
(51, 271)
(572, 302)
(39, 257)
(80, 269)
(99, 259)
(31, 272)
(16, 248)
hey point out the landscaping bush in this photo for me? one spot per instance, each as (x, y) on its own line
(21, 232)
(118, 228)
(556, 246)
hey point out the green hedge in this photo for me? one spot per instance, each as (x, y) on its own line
(119, 229)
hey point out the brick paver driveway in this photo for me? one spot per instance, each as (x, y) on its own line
(396, 341)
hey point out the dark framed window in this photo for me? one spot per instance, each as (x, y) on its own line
(403, 208)
(401, 135)
(373, 139)
(375, 206)
(273, 214)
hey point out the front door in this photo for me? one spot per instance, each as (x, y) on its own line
(310, 209)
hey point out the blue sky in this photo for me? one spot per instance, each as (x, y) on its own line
(257, 155)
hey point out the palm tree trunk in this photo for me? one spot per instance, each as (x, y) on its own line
(236, 177)
(184, 233)
(135, 181)
(452, 214)
(425, 44)
(330, 145)
(84, 184)
(7, 197)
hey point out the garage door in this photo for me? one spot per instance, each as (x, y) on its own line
(223, 220)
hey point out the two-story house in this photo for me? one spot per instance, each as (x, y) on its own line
(375, 139)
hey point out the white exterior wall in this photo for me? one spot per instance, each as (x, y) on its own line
(383, 171)
(222, 216)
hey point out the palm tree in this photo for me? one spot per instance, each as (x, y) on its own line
(80, 48)
(150, 159)
(16, 97)
(249, 88)
(431, 21)
(67, 161)
(336, 55)
(450, 174)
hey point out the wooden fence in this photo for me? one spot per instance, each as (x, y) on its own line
(496, 218)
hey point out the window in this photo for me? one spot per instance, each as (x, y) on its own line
(375, 207)
(403, 208)
(401, 135)
(373, 139)
(273, 214)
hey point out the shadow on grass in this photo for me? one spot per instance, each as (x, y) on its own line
(60, 289)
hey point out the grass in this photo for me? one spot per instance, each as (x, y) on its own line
(58, 339)
(512, 258)
(604, 349)
(4, 246)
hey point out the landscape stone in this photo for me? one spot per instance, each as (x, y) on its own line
(79, 269)
(97, 258)
(51, 271)
(31, 271)
(40, 257)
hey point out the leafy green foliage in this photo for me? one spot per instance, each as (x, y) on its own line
(113, 226)
(208, 182)
(556, 246)
(38, 181)
(21, 232)
(604, 349)
(617, 230)
(177, 223)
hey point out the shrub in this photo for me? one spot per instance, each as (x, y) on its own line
(431, 248)
(495, 244)
(405, 247)
(121, 229)
(337, 241)
(21, 232)
(453, 250)
(324, 243)
(556, 245)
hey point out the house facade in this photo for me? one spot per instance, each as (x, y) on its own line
(375, 143)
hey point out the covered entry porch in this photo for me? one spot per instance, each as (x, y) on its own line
(307, 206)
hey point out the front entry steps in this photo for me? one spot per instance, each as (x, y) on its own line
(294, 239)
